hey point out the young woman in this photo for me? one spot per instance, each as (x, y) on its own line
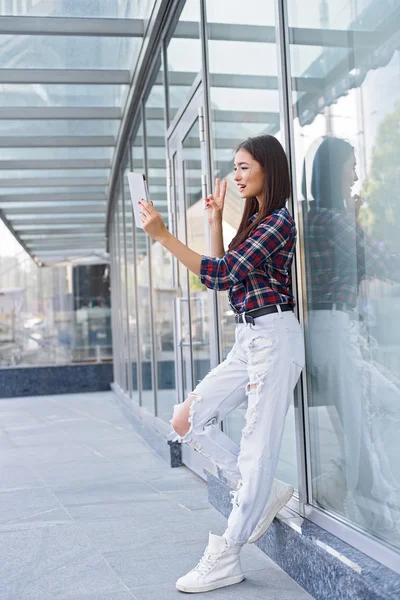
(264, 363)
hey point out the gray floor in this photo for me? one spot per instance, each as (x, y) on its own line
(89, 512)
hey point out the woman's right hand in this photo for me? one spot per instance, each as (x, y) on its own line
(215, 203)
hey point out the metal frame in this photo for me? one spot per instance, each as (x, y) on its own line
(41, 164)
(52, 182)
(60, 112)
(69, 76)
(57, 141)
(285, 97)
(64, 26)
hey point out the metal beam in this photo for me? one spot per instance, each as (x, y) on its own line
(57, 141)
(30, 164)
(44, 209)
(24, 230)
(253, 82)
(244, 116)
(52, 220)
(71, 26)
(51, 182)
(301, 36)
(61, 238)
(51, 197)
(60, 112)
(68, 76)
(100, 243)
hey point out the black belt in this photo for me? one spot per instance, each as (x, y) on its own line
(258, 312)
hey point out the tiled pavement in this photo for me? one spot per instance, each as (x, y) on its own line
(89, 512)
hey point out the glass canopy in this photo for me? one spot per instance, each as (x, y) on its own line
(66, 69)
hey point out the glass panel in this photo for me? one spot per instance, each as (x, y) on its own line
(347, 148)
(200, 306)
(184, 58)
(117, 299)
(122, 294)
(70, 52)
(133, 9)
(246, 108)
(53, 94)
(143, 285)
(114, 299)
(51, 316)
(58, 127)
(161, 264)
(131, 285)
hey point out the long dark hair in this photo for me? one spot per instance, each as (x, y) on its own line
(268, 152)
(327, 173)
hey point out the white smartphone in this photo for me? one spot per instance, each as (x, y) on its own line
(138, 190)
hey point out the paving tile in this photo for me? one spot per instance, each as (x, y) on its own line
(165, 562)
(191, 499)
(98, 512)
(258, 585)
(17, 476)
(24, 504)
(109, 490)
(53, 563)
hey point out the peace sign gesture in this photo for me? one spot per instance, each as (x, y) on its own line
(215, 202)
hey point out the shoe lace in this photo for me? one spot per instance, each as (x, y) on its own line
(206, 563)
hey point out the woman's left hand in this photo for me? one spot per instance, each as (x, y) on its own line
(152, 221)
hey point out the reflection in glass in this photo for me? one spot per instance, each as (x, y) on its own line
(243, 105)
(161, 259)
(143, 288)
(350, 214)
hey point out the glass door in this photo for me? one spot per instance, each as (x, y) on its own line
(193, 302)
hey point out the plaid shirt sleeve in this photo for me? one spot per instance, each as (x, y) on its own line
(268, 238)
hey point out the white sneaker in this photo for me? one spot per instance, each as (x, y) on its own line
(220, 566)
(279, 496)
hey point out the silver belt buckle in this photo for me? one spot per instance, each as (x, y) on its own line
(244, 318)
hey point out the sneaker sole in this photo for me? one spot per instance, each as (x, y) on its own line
(271, 516)
(210, 586)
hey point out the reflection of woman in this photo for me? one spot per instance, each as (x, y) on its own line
(342, 372)
(264, 363)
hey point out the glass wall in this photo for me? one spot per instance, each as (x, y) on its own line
(347, 149)
(343, 67)
(132, 326)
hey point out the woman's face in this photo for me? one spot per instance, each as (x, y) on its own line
(349, 176)
(249, 175)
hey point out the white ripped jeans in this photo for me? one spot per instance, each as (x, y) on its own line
(263, 366)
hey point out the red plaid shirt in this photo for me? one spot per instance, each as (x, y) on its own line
(258, 272)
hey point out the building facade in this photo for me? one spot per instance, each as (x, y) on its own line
(324, 78)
